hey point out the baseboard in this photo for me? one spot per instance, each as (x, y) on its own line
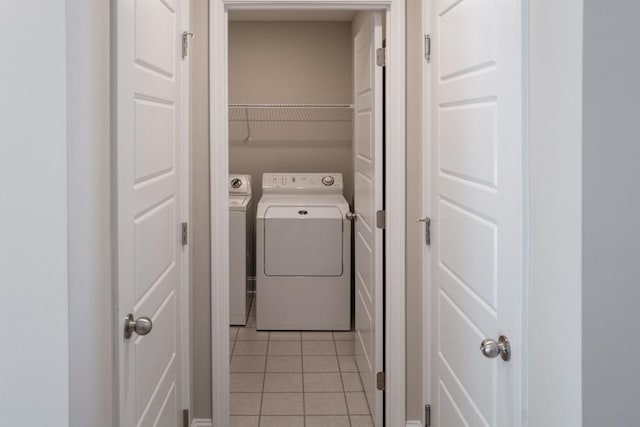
(201, 422)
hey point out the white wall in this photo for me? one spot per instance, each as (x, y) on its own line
(34, 361)
(90, 286)
(555, 208)
(611, 231)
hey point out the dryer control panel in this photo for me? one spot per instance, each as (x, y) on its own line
(302, 183)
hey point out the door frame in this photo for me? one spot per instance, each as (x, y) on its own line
(394, 346)
(185, 176)
(183, 374)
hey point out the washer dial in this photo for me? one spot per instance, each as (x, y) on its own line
(328, 180)
(236, 183)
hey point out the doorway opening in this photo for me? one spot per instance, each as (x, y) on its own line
(272, 119)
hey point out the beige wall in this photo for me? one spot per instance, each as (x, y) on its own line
(415, 231)
(291, 63)
(200, 271)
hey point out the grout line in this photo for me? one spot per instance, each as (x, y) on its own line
(264, 375)
(344, 392)
(304, 410)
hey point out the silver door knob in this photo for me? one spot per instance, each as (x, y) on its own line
(351, 216)
(141, 326)
(492, 349)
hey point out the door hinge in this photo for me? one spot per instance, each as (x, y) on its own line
(185, 233)
(380, 381)
(380, 219)
(427, 415)
(185, 418)
(427, 47)
(381, 56)
(185, 43)
(427, 229)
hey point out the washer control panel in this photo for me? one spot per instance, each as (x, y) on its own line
(302, 182)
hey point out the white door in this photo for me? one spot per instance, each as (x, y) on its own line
(477, 210)
(147, 203)
(368, 199)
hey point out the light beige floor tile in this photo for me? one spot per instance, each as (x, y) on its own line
(320, 364)
(283, 382)
(345, 348)
(231, 344)
(351, 381)
(252, 310)
(318, 348)
(246, 383)
(284, 348)
(281, 421)
(348, 364)
(344, 336)
(245, 403)
(361, 421)
(250, 334)
(250, 348)
(357, 403)
(282, 404)
(324, 404)
(284, 336)
(248, 363)
(327, 421)
(317, 336)
(322, 382)
(284, 364)
(251, 322)
(244, 421)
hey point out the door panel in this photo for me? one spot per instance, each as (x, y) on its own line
(476, 189)
(147, 201)
(155, 144)
(368, 199)
(466, 37)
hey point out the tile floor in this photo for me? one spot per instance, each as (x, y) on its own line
(294, 379)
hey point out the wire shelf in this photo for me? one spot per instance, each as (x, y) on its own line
(290, 122)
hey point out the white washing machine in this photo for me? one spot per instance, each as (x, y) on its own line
(240, 247)
(303, 253)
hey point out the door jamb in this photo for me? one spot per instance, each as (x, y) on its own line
(426, 210)
(394, 346)
(185, 173)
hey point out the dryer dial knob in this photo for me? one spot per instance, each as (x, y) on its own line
(328, 180)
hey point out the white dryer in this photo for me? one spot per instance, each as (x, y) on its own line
(303, 253)
(240, 246)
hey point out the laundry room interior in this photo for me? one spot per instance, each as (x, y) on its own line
(290, 96)
(291, 164)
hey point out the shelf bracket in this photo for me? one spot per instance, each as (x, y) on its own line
(248, 140)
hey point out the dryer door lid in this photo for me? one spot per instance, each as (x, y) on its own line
(303, 241)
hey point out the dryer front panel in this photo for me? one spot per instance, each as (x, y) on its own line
(303, 241)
